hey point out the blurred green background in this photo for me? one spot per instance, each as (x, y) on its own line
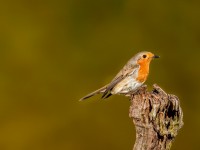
(54, 52)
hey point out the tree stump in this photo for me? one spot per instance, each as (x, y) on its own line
(157, 117)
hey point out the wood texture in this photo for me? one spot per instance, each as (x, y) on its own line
(157, 117)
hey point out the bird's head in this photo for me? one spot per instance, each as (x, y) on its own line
(145, 57)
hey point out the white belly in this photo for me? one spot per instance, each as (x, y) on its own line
(127, 85)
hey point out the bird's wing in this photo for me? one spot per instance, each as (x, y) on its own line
(126, 71)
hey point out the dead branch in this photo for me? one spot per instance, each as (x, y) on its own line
(157, 117)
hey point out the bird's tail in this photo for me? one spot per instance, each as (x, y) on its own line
(101, 90)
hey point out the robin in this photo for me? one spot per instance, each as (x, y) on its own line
(130, 78)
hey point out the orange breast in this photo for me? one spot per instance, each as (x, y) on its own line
(143, 71)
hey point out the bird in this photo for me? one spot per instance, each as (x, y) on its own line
(129, 79)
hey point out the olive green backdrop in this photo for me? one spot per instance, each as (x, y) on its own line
(54, 52)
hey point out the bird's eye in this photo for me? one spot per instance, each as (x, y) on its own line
(144, 56)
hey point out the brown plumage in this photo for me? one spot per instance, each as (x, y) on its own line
(129, 78)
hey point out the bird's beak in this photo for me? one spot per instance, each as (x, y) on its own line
(156, 56)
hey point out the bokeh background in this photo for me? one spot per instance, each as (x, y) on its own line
(54, 52)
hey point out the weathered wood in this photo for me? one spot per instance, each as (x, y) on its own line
(157, 117)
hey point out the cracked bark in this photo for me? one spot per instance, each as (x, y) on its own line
(157, 117)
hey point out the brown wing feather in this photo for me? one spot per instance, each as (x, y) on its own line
(111, 86)
(127, 70)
